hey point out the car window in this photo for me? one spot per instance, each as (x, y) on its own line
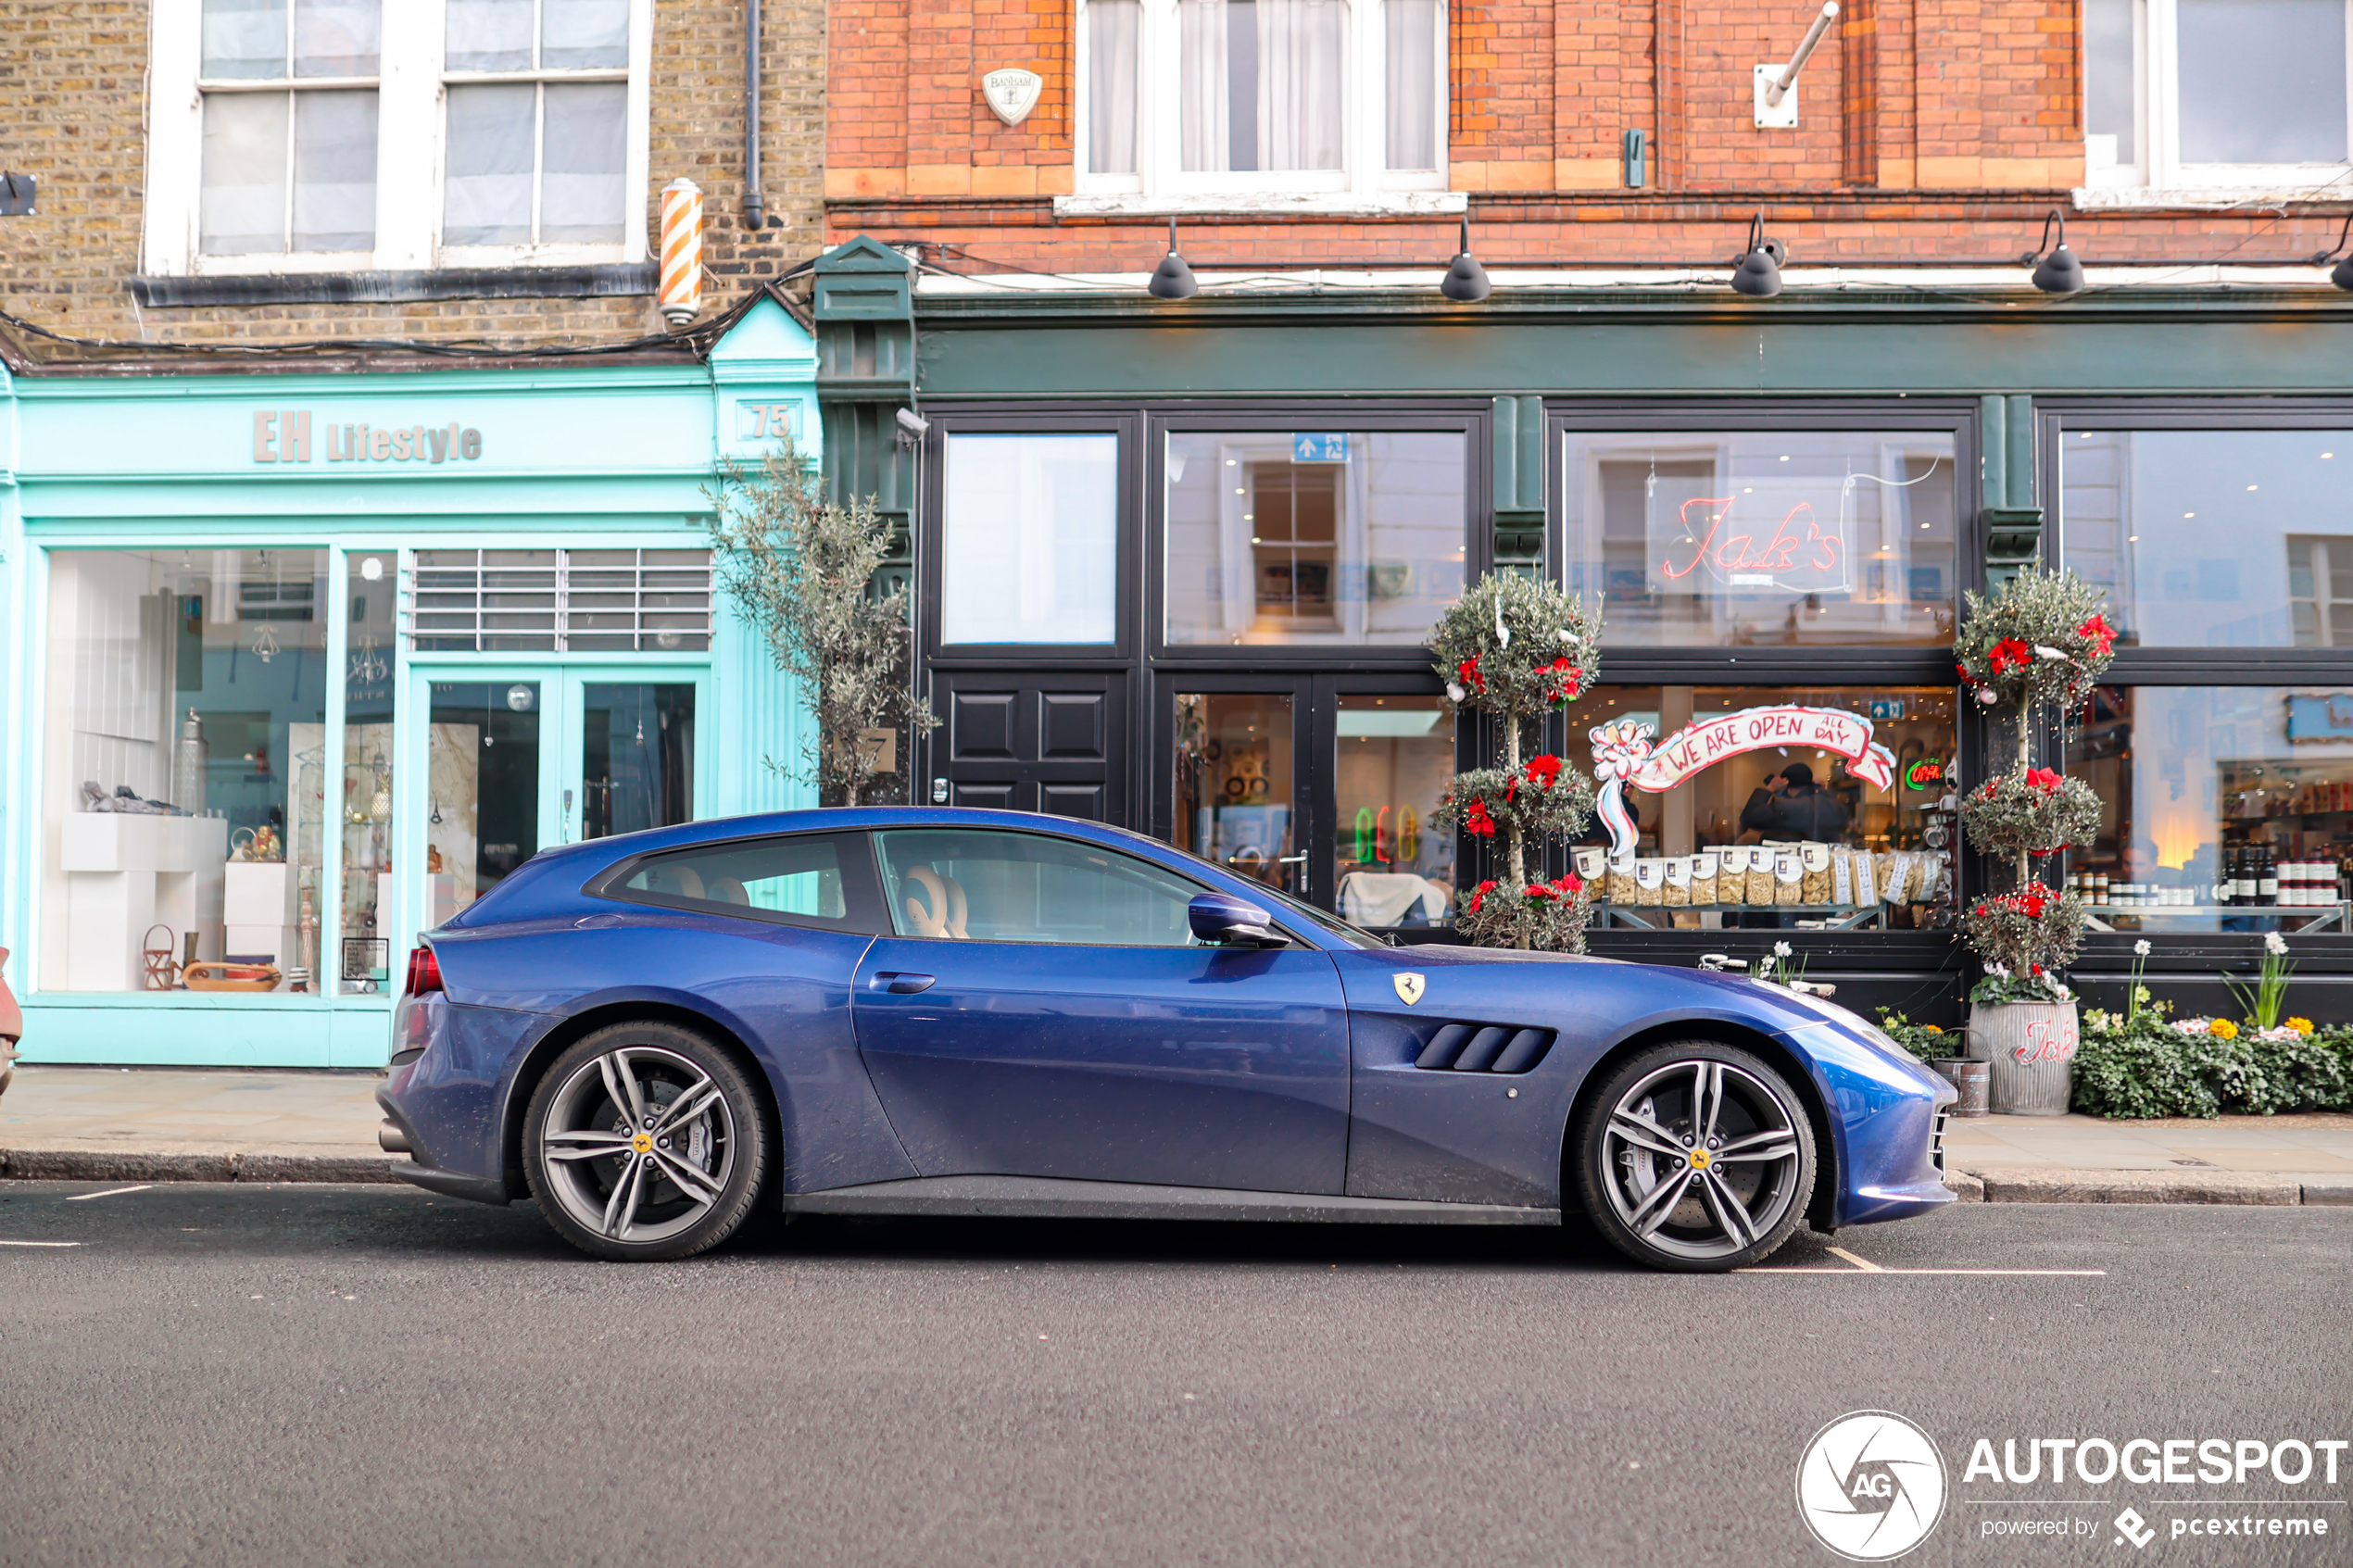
(995, 886)
(803, 879)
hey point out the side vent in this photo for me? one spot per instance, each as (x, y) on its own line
(1484, 1048)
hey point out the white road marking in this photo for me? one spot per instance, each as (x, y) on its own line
(2069, 1273)
(40, 1244)
(143, 1187)
(1865, 1266)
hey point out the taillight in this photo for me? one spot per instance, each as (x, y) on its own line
(425, 972)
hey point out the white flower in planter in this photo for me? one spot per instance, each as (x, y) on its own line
(2274, 944)
(1780, 949)
(2141, 948)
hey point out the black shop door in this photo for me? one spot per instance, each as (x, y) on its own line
(1026, 742)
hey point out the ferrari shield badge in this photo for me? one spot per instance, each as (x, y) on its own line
(1409, 987)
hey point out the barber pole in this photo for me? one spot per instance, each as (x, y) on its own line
(681, 251)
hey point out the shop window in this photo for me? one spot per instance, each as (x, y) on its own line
(2232, 94)
(483, 768)
(1779, 829)
(1236, 785)
(2214, 538)
(1030, 548)
(364, 810)
(2218, 802)
(1392, 759)
(637, 757)
(562, 601)
(184, 771)
(1802, 537)
(1240, 97)
(1312, 539)
(342, 134)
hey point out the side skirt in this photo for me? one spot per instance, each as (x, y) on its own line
(1049, 1197)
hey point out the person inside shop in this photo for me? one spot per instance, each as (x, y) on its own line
(1790, 805)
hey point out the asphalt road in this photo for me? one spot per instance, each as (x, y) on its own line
(322, 1375)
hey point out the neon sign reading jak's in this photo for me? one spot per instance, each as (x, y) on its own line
(285, 438)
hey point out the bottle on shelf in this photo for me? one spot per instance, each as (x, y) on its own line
(2267, 877)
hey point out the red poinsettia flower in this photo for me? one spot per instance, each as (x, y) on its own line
(1538, 892)
(2043, 779)
(1472, 679)
(2010, 652)
(1567, 679)
(1477, 821)
(1479, 894)
(1981, 911)
(2099, 633)
(1544, 769)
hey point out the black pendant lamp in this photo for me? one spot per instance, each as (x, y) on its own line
(1757, 273)
(1172, 279)
(2342, 274)
(2059, 271)
(1466, 280)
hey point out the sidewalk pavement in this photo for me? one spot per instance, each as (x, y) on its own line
(220, 1124)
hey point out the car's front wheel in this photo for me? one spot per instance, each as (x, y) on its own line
(645, 1141)
(1696, 1156)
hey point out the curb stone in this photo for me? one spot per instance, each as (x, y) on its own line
(232, 1165)
(2043, 1184)
(1966, 1186)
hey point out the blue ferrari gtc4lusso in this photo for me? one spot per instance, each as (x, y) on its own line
(919, 1011)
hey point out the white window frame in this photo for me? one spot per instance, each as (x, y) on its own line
(2151, 168)
(411, 93)
(1161, 183)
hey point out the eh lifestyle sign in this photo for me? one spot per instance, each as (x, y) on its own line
(286, 436)
(1626, 755)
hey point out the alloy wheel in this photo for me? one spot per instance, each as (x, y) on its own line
(1701, 1160)
(638, 1145)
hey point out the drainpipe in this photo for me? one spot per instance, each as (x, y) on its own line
(755, 209)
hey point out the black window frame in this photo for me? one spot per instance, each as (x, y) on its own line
(1766, 664)
(864, 912)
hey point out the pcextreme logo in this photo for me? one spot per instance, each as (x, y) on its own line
(1870, 1486)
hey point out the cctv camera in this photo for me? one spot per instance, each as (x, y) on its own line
(913, 427)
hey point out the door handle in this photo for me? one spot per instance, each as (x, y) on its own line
(901, 985)
(1298, 860)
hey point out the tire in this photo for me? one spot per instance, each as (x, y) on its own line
(665, 1187)
(1636, 1138)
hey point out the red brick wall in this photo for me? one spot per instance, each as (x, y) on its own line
(1927, 128)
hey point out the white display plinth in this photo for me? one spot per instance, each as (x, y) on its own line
(126, 874)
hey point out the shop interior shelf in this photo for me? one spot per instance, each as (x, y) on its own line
(2314, 917)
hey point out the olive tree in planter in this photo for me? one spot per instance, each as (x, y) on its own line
(2037, 642)
(802, 571)
(1517, 649)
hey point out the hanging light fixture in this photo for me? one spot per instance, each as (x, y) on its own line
(2059, 271)
(1172, 279)
(1757, 272)
(1466, 280)
(2342, 274)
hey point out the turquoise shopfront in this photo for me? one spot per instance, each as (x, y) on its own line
(299, 665)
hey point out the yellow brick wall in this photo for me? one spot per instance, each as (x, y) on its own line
(73, 106)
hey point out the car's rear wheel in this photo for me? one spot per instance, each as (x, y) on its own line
(1696, 1156)
(645, 1141)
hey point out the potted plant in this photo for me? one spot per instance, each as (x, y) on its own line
(2037, 642)
(1515, 650)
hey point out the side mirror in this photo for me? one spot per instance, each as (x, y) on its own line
(1225, 920)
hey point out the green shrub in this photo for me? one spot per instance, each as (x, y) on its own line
(2151, 1067)
(1927, 1042)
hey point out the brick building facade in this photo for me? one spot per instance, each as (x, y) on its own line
(74, 78)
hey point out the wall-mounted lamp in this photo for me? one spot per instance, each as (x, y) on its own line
(1757, 272)
(1776, 85)
(1466, 280)
(2342, 274)
(2059, 272)
(1172, 279)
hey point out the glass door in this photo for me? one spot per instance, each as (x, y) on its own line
(1240, 784)
(519, 758)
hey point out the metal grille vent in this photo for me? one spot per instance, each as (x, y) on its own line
(1485, 1048)
(562, 601)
